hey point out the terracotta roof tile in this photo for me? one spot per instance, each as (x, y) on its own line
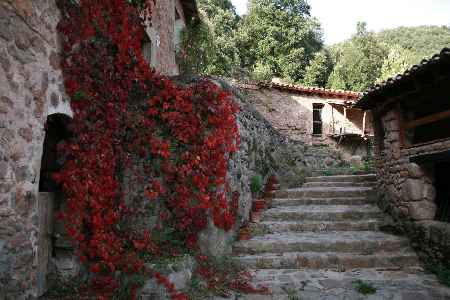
(320, 92)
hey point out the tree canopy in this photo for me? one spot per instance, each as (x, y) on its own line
(358, 62)
(370, 57)
(278, 38)
(210, 45)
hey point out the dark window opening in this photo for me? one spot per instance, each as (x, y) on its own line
(426, 117)
(442, 192)
(147, 49)
(56, 131)
(317, 118)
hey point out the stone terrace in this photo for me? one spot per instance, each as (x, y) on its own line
(316, 241)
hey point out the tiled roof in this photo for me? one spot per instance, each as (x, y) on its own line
(438, 63)
(313, 91)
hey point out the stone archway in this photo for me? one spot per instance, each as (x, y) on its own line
(56, 131)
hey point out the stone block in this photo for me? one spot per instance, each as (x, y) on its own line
(414, 170)
(6, 104)
(23, 7)
(429, 192)
(422, 210)
(413, 190)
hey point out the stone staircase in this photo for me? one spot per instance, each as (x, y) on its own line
(317, 240)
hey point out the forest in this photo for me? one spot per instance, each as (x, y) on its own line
(280, 38)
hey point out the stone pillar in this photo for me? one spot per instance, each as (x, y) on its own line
(419, 194)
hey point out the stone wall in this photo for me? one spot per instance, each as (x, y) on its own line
(292, 115)
(31, 89)
(406, 191)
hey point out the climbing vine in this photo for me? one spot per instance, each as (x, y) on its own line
(126, 114)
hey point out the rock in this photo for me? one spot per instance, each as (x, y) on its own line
(23, 7)
(22, 40)
(414, 170)
(214, 241)
(4, 61)
(54, 60)
(422, 210)
(26, 133)
(5, 31)
(54, 99)
(5, 104)
(429, 192)
(22, 56)
(413, 190)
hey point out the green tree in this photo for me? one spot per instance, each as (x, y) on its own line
(422, 41)
(358, 62)
(319, 69)
(278, 38)
(210, 46)
(396, 62)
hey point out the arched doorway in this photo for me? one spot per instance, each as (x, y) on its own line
(56, 131)
(49, 201)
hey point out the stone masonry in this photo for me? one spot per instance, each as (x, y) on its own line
(31, 89)
(290, 111)
(406, 191)
(317, 241)
(412, 153)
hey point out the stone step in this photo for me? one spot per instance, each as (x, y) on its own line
(330, 260)
(338, 184)
(321, 201)
(289, 284)
(335, 241)
(342, 178)
(323, 192)
(268, 227)
(322, 213)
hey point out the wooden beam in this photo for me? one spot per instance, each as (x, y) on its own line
(428, 119)
(401, 125)
(434, 157)
(332, 119)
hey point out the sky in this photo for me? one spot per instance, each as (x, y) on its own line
(339, 17)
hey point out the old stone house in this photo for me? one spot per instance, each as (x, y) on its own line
(317, 117)
(34, 113)
(411, 118)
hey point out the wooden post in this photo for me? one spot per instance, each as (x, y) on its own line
(332, 119)
(364, 125)
(345, 119)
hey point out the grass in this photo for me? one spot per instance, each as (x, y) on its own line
(292, 294)
(364, 288)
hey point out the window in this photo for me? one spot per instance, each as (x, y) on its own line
(425, 116)
(317, 118)
(147, 49)
(56, 132)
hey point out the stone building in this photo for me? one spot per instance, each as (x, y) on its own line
(34, 114)
(315, 116)
(411, 119)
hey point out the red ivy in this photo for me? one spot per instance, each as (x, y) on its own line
(124, 109)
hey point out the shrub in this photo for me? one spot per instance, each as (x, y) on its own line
(256, 184)
(364, 288)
